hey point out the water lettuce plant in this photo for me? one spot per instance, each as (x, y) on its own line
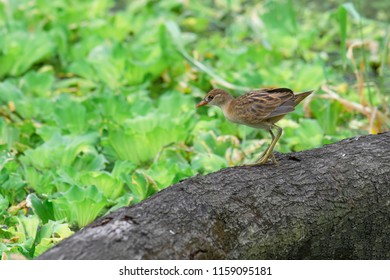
(97, 97)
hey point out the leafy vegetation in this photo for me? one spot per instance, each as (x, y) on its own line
(97, 97)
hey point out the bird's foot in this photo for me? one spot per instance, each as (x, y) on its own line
(263, 159)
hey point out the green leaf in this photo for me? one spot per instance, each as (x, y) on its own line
(5, 156)
(175, 34)
(83, 69)
(106, 67)
(328, 114)
(342, 19)
(111, 187)
(208, 162)
(144, 136)
(20, 50)
(4, 203)
(71, 116)
(49, 235)
(123, 201)
(13, 187)
(141, 185)
(307, 135)
(42, 182)
(122, 167)
(78, 205)
(9, 92)
(350, 8)
(143, 146)
(208, 142)
(170, 167)
(64, 151)
(42, 208)
(38, 83)
(27, 227)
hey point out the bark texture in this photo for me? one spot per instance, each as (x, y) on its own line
(327, 203)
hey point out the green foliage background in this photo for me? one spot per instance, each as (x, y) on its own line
(97, 97)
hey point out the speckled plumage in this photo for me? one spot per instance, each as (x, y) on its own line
(260, 108)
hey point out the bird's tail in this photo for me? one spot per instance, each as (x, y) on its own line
(300, 96)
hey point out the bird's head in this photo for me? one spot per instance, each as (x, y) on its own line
(217, 97)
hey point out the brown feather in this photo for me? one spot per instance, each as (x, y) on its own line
(299, 97)
(262, 104)
(257, 108)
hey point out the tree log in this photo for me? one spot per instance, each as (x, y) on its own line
(327, 203)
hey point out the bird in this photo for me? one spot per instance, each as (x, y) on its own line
(260, 108)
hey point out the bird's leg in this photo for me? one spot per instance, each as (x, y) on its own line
(264, 158)
(274, 159)
(272, 154)
(266, 150)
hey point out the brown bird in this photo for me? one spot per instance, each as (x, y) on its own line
(260, 108)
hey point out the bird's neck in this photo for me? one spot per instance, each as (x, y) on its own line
(227, 107)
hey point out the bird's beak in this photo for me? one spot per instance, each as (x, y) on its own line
(201, 103)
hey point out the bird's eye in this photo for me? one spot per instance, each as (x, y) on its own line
(210, 97)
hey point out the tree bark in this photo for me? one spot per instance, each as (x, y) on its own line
(327, 203)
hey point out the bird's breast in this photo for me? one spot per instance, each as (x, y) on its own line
(239, 116)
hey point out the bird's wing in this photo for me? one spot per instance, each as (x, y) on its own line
(265, 103)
